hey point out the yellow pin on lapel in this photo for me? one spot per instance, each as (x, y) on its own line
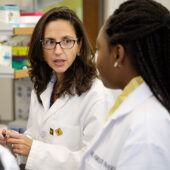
(51, 131)
(58, 132)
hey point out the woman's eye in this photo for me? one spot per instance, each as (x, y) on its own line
(49, 42)
(67, 41)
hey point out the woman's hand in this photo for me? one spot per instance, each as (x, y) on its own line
(21, 144)
(3, 137)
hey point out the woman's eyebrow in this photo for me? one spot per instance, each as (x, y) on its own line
(49, 38)
(64, 37)
(68, 36)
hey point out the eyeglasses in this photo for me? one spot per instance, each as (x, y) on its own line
(50, 44)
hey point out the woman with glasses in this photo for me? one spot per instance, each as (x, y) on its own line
(134, 55)
(68, 103)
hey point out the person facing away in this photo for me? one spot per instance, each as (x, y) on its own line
(68, 103)
(134, 55)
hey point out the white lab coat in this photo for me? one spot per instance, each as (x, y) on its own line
(136, 137)
(7, 159)
(78, 117)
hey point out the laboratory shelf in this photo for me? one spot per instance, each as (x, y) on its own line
(6, 29)
(6, 72)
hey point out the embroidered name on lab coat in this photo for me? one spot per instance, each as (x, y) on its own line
(58, 132)
(101, 161)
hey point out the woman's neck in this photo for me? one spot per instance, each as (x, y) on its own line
(59, 78)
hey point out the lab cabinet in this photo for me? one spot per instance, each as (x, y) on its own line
(14, 99)
(22, 93)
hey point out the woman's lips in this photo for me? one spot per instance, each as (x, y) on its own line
(59, 62)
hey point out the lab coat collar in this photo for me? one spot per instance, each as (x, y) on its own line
(56, 107)
(46, 95)
(136, 97)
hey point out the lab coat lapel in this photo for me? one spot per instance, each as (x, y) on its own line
(136, 97)
(56, 107)
(46, 96)
(59, 104)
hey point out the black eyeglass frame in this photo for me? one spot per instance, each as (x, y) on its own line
(59, 42)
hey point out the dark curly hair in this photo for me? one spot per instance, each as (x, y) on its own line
(78, 78)
(143, 28)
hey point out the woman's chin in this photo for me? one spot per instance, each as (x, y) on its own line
(107, 84)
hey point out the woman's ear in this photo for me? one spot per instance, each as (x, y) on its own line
(79, 44)
(118, 55)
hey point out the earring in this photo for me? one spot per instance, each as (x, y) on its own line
(78, 54)
(115, 64)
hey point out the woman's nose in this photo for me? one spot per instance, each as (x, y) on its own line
(58, 49)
